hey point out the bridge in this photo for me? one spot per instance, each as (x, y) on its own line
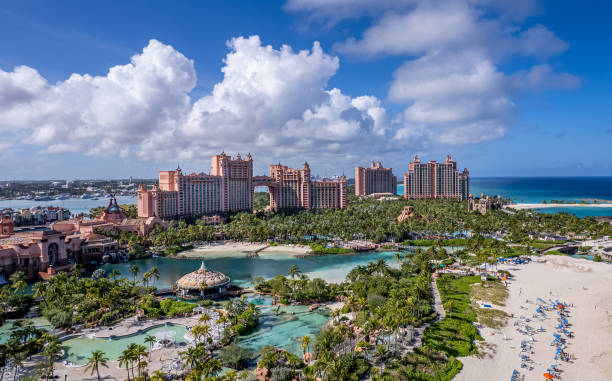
(264, 181)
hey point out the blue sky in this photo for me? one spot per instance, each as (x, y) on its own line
(511, 89)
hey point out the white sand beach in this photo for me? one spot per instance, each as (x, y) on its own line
(585, 285)
(538, 206)
(233, 247)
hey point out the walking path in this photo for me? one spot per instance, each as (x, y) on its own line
(440, 314)
(438, 307)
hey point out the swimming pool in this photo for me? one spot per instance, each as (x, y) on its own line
(77, 350)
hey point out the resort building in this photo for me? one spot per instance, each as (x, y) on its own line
(436, 180)
(202, 283)
(230, 187)
(407, 212)
(43, 253)
(374, 180)
(112, 217)
(294, 189)
(484, 204)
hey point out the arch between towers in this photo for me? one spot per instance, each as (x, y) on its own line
(271, 184)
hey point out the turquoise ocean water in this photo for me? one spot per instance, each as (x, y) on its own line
(537, 189)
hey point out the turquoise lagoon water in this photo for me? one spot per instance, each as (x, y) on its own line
(242, 270)
(286, 329)
(579, 211)
(79, 349)
(6, 328)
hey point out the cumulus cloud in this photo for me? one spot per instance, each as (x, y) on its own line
(276, 102)
(96, 114)
(270, 101)
(451, 81)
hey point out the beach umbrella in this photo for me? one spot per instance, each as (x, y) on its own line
(548, 376)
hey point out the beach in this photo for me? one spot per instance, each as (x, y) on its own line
(229, 247)
(538, 206)
(587, 289)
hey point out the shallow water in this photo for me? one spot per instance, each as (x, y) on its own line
(242, 270)
(286, 329)
(78, 350)
(39, 322)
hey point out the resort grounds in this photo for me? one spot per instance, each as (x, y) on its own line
(232, 247)
(586, 287)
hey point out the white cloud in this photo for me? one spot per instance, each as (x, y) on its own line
(270, 101)
(276, 102)
(426, 28)
(97, 115)
(451, 82)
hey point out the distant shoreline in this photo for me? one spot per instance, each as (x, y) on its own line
(539, 206)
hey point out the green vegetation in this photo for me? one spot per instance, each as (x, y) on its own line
(235, 356)
(377, 221)
(130, 209)
(446, 339)
(167, 307)
(494, 292)
(596, 258)
(68, 299)
(320, 249)
(299, 288)
(261, 200)
(243, 315)
(14, 302)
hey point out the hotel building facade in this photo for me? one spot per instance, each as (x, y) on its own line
(375, 179)
(230, 187)
(294, 189)
(436, 180)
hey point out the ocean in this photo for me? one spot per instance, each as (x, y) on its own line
(519, 189)
(537, 189)
(75, 205)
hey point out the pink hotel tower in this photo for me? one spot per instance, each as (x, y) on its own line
(375, 179)
(230, 186)
(436, 180)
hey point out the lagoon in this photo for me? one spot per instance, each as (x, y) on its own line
(242, 270)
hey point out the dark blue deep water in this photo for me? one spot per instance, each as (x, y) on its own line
(537, 189)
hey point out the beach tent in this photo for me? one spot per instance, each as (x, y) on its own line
(548, 376)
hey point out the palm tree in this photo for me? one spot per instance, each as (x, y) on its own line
(125, 360)
(96, 360)
(114, 274)
(448, 306)
(52, 353)
(150, 339)
(158, 375)
(140, 352)
(305, 343)
(154, 273)
(134, 270)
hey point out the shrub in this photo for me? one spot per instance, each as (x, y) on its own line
(173, 307)
(235, 356)
(596, 258)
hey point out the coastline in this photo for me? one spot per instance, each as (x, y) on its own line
(586, 286)
(233, 247)
(539, 206)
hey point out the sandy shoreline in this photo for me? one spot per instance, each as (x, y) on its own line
(537, 206)
(229, 247)
(584, 284)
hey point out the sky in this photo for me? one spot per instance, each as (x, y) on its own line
(112, 89)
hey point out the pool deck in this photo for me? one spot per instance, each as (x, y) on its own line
(161, 359)
(131, 326)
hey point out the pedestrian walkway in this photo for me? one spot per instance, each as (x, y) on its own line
(438, 307)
